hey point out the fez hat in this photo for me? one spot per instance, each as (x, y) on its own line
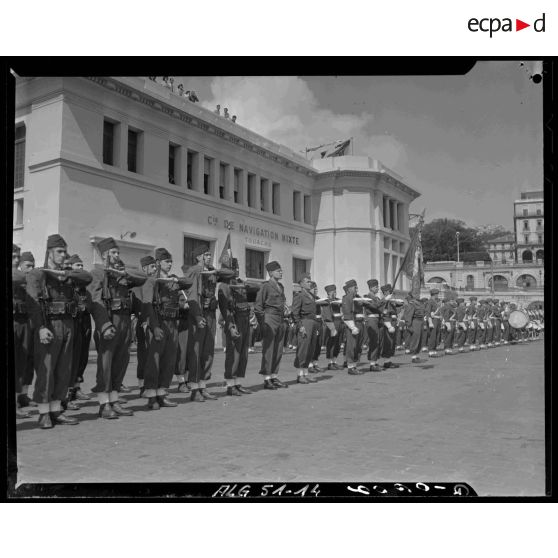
(329, 288)
(473, 298)
(386, 288)
(147, 260)
(303, 276)
(56, 241)
(495, 301)
(162, 254)
(74, 259)
(460, 300)
(272, 266)
(106, 244)
(424, 299)
(350, 283)
(313, 285)
(16, 248)
(199, 250)
(27, 257)
(372, 283)
(434, 291)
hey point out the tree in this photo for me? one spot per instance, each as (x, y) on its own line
(439, 242)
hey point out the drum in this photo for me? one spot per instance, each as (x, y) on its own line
(518, 319)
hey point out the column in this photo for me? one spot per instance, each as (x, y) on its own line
(180, 155)
(197, 171)
(229, 182)
(395, 215)
(121, 146)
(387, 216)
(243, 187)
(377, 197)
(256, 192)
(214, 177)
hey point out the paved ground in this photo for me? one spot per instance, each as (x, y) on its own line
(476, 418)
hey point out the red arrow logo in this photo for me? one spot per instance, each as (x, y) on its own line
(519, 25)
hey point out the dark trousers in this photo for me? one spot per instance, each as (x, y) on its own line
(472, 332)
(460, 336)
(273, 330)
(425, 335)
(481, 334)
(82, 340)
(506, 332)
(333, 342)
(353, 343)
(319, 340)
(113, 355)
(160, 363)
(306, 344)
(182, 355)
(448, 336)
(434, 334)
(398, 336)
(236, 355)
(387, 343)
(141, 345)
(201, 347)
(23, 352)
(53, 362)
(497, 331)
(372, 326)
(489, 333)
(415, 344)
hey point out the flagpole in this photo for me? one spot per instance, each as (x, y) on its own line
(352, 146)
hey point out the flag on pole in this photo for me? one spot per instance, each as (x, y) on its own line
(412, 264)
(226, 254)
(333, 149)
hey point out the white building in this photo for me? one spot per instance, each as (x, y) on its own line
(528, 222)
(126, 157)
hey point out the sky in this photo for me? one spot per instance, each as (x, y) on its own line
(469, 144)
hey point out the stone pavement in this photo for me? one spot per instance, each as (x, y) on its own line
(474, 417)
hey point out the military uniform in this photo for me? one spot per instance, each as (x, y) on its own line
(54, 309)
(480, 338)
(461, 327)
(271, 310)
(388, 327)
(373, 313)
(234, 299)
(414, 320)
(472, 322)
(182, 354)
(111, 309)
(333, 320)
(434, 318)
(353, 316)
(448, 325)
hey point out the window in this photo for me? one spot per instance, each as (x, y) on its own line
(526, 238)
(525, 212)
(300, 266)
(540, 238)
(296, 205)
(190, 244)
(172, 163)
(307, 210)
(189, 163)
(264, 202)
(470, 285)
(108, 143)
(206, 175)
(539, 212)
(19, 157)
(133, 151)
(525, 225)
(251, 190)
(275, 198)
(18, 213)
(255, 264)
(222, 180)
(236, 190)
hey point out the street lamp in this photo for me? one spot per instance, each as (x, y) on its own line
(457, 236)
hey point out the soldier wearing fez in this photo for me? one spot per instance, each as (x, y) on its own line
(82, 338)
(314, 365)
(389, 323)
(271, 310)
(148, 267)
(202, 323)
(414, 321)
(332, 316)
(373, 312)
(25, 333)
(353, 316)
(304, 312)
(160, 309)
(433, 313)
(53, 309)
(111, 309)
(234, 297)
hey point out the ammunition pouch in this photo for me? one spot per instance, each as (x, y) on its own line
(20, 309)
(169, 310)
(61, 309)
(209, 303)
(120, 305)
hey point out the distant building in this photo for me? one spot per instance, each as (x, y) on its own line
(502, 249)
(529, 227)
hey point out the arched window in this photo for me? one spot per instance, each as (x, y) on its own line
(527, 256)
(436, 280)
(470, 285)
(526, 281)
(500, 283)
(540, 255)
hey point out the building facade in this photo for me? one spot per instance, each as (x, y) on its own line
(528, 222)
(502, 249)
(127, 158)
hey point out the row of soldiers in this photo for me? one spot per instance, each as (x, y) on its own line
(174, 321)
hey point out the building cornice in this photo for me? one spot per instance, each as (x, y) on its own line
(177, 113)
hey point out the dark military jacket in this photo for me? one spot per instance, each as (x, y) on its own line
(350, 307)
(271, 298)
(376, 305)
(304, 306)
(331, 310)
(161, 299)
(434, 307)
(415, 310)
(235, 298)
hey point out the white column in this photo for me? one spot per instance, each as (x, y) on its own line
(214, 177)
(387, 216)
(256, 192)
(121, 145)
(229, 183)
(197, 171)
(395, 216)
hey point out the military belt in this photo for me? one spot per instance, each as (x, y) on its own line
(60, 309)
(120, 305)
(20, 309)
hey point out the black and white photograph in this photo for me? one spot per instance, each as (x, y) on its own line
(272, 283)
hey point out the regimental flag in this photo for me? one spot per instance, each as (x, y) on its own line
(334, 149)
(226, 254)
(412, 264)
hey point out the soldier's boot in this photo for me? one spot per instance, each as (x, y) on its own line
(121, 411)
(107, 412)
